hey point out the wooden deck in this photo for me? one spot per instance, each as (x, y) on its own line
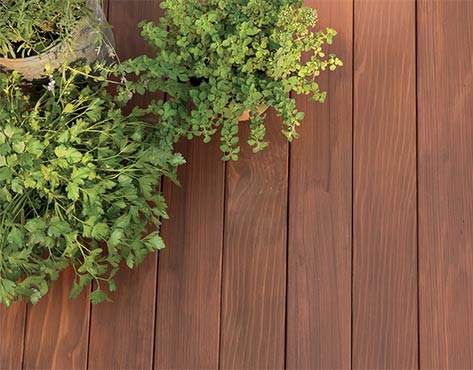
(350, 248)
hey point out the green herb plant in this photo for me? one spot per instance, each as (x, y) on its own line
(78, 184)
(216, 59)
(32, 27)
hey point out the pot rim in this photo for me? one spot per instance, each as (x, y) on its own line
(83, 23)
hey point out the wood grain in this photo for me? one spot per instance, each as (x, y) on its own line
(57, 329)
(122, 332)
(12, 328)
(319, 254)
(384, 224)
(189, 279)
(251, 334)
(445, 85)
(254, 265)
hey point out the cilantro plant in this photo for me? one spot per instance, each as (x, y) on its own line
(78, 184)
(216, 59)
(31, 27)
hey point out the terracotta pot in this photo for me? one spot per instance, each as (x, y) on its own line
(80, 47)
(246, 115)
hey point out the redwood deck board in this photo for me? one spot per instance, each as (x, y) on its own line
(384, 205)
(189, 277)
(320, 207)
(254, 262)
(445, 77)
(12, 327)
(57, 328)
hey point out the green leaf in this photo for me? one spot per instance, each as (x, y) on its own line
(9, 131)
(155, 242)
(71, 154)
(123, 221)
(111, 285)
(16, 186)
(130, 260)
(75, 290)
(5, 174)
(35, 224)
(15, 236)
(69, 108)
(35, 297)
(19, 147)
(34, 147)
(73, 191)
(98, 296)
(115, 238)
(99, 231)
(58, 228)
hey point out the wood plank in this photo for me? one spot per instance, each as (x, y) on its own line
(319, 254)
(385, 247)
(445, 78)
(189, 279)
(254, 264)
(57, 329)
(122, 332)
(12, 327)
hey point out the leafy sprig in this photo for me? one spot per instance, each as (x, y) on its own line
(217, 59)
(78, 184)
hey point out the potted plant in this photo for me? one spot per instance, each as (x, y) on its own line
(78, 184)
(220, 62)
(34, 33)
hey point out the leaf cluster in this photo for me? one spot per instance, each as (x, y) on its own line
(31, 27)
(78, 184)
(216, 59)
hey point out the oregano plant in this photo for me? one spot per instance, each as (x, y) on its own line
(217, 59)
(78, 183)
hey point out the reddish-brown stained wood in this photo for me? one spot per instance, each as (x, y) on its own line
(12, 328)
(122, 332)
(384, 214)
(189, 279)
(57, 329)
(254, 264)
(445, 96)
(319, 255)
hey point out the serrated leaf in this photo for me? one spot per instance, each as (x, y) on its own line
(58, 228)
(5, 173)
(98, 296)
(99, 231)
(71, 154)
(16, 237)
(35, 224)
(115, 238)
(19, 147)
(73, 191)
(155, 242)
(123, 221)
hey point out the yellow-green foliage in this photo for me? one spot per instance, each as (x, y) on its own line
(229, 56)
